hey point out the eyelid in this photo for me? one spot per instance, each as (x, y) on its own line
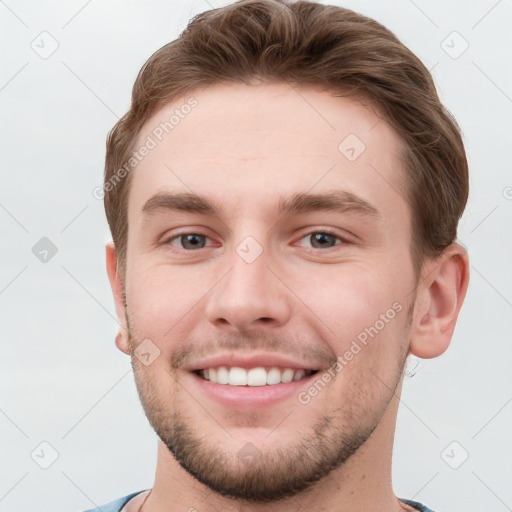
(342, 234)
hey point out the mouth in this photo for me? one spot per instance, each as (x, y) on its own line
(253, 377)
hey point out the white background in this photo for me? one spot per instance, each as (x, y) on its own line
(62, 379)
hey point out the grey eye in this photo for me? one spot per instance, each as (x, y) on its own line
(192, 241)
(322, 240)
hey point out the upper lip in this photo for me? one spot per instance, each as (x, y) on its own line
(231, 359)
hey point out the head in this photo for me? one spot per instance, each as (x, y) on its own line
(296, 202)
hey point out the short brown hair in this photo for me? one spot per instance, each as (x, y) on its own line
(305, 43)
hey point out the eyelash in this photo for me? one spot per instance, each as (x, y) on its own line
(325, 231)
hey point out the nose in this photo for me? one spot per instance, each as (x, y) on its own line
(249, 296)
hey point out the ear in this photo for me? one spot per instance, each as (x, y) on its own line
(117, 286)
(439, 298)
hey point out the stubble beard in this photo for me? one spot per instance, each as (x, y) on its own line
(266, 476)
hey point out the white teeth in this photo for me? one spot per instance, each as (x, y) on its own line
(273, 376)
(222, 375)
(256, 377)
(299, 374)
(236, 376)
(287, 375)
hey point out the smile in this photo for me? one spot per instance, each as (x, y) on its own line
(259, 376)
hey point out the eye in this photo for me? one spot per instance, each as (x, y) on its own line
(322, 239)
(189, 241)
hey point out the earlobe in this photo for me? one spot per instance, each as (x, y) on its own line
(122, 341)
(117, 285)
(439, 299)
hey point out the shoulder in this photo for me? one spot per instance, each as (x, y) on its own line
(116, 505)
(417, 505)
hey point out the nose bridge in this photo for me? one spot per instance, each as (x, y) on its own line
(249, 293)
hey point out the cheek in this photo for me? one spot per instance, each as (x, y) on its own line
(162, 300)
(365, 314)
(347, 300)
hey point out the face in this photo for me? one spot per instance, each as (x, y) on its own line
(269, 280)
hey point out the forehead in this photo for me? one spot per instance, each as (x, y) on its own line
(250, 143)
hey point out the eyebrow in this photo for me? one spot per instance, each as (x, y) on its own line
(338, 201)
(299, 203)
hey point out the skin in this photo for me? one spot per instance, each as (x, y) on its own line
(243, 147)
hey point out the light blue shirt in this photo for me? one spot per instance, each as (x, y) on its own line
(117, 505)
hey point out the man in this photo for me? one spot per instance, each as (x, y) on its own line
(283, 196)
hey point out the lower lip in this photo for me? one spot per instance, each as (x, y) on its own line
(249, 397)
